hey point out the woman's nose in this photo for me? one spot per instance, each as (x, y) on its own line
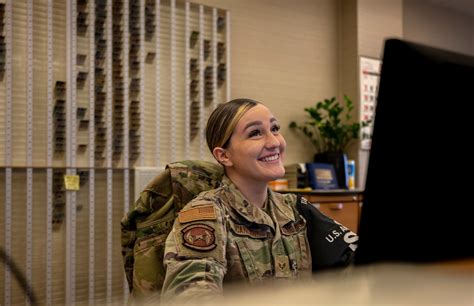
(272, 141)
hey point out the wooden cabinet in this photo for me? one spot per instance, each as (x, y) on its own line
(342, 206)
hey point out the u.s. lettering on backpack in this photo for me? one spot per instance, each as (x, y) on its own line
(146, 226)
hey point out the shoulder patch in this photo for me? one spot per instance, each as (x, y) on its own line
(199, 237)
(207, 212)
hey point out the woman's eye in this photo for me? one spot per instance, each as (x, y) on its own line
(275, 128)
(254, 133)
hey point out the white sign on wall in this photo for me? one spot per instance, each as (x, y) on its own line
(369, 85)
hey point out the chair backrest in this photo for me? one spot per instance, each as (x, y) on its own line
(146, 226)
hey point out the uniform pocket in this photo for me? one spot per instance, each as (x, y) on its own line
(296, 243)
(305, 258)
(248, 261)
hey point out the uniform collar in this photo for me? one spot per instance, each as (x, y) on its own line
(283, 211)
(252, 213)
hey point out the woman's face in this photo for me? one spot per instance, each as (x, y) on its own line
(256, 149)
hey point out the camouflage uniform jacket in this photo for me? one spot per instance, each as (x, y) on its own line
(219, 237)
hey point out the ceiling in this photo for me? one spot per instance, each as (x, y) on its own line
(465, 6)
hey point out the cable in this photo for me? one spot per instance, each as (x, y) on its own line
(8, 261)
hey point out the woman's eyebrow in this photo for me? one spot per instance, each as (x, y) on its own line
(258, 122)
(252, 123)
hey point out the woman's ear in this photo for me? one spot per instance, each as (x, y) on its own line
(221, 155)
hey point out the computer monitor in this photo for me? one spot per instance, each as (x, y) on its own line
(420, 178)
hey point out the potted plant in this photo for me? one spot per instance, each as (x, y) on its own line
(331, 132)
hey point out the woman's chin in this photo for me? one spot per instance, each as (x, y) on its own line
(277, 175)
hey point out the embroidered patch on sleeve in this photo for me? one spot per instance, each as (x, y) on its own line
(199, 237)
(207, 212)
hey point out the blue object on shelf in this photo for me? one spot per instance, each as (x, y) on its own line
(322, 176)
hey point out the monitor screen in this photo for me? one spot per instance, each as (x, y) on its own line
(417, 202)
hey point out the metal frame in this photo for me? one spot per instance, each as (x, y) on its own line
(108, 158)
(71, 152)
(187, 80)
(49, 171)
(8, 145)
(201, 82)
(126, 126)
(228, 95)
(157, 84)
(173, 81)
(71, 128)
(142, 80)
(29, 145)
(91, 131)
(214, 58)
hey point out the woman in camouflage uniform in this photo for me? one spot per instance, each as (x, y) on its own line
(241, 231)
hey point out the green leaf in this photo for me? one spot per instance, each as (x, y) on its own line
(328, 125)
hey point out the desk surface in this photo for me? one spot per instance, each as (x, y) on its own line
(381, 284)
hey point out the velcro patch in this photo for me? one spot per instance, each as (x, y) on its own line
(245, 231)
(207, 212)
(199, 237)
(293, 227)
(282, 266)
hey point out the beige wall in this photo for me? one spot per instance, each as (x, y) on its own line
(438, 26)
(284, 53)
(290, 54)
(378, 20)
(348, 52)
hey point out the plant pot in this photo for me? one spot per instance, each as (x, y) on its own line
(339, 161)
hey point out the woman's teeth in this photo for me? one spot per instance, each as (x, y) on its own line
(270, 158)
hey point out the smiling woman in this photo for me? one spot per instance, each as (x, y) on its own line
(240, 231)
(253, 155)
